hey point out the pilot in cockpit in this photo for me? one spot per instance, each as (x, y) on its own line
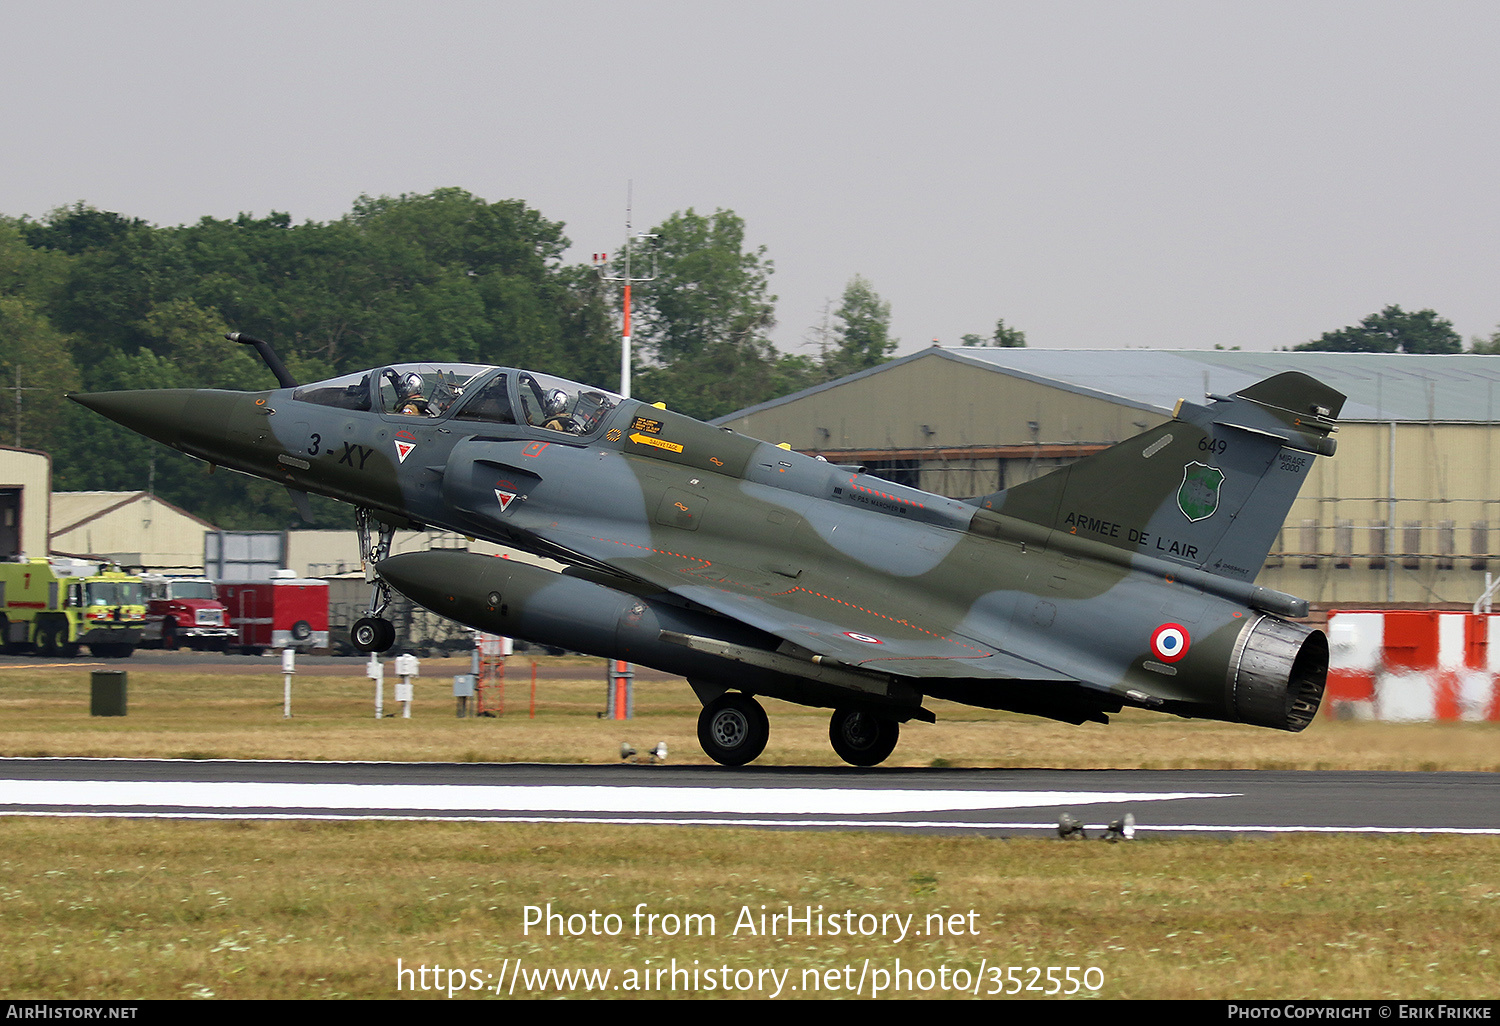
(556, 410)
(411, 402)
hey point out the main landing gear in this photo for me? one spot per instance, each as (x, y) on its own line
(862, 738)
(373, 632)
(733, 730)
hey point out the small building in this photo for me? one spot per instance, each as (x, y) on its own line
(133, 529)
(1406, 512)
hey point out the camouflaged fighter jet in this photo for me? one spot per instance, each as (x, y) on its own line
(1125, 579)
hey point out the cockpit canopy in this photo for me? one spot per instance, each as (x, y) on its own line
(467, 392)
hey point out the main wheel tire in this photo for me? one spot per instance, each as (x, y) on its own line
(733, 729)
(372, 634)
(861, 738)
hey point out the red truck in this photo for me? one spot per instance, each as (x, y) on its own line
(182, 611)
(285, 612)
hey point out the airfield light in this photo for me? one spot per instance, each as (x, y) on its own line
(627, 751)
(1122, 829)
(1069, 828)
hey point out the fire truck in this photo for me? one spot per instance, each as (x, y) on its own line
(285, 612)
(183, 611)
(55, 606)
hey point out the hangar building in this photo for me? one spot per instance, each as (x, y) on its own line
(25, 494)
(1405, 513)
(133, 529)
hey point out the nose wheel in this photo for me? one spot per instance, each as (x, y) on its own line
(733, 729)
(372, 634)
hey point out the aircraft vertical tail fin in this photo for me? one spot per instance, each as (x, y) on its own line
(1209, 489)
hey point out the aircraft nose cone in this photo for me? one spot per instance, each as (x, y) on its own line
(155, 413)
(197, 421)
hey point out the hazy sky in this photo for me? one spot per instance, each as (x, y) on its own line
(1099, 174)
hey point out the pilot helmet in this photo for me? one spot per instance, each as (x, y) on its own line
(557, 402)
(411, 385)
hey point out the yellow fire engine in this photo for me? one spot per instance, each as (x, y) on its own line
(55, 606)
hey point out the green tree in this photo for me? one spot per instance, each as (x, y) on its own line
(121, 268)
(34, 355)
(1004, 337)
(1487, 346)
(709, 290)
(862, 337)
(1392, 330)
(438, 276)
(37, 358)
(192, 341)
(479, 280)
(702, 324)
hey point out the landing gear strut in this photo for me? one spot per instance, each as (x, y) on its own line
(373, 632)
(733, 729)
(861, 738)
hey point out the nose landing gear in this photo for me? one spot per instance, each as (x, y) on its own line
(373, 632)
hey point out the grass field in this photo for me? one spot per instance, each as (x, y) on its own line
(137, 909)
(189, 713)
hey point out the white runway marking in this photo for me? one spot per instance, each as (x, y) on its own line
(793, 801)
(946, 825)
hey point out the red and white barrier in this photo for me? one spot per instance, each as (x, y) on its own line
(1405, 664)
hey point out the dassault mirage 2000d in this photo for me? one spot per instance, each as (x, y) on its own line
(1125, 579)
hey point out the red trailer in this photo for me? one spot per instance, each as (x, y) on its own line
(284, 612)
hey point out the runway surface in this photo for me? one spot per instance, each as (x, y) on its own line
(990, 801)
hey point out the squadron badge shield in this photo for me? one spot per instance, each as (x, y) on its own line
(1199, 495)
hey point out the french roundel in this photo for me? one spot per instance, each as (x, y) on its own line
(1169, 642)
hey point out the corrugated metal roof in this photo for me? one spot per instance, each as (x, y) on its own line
(1380, 386)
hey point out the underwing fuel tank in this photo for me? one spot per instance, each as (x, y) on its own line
(519, 600)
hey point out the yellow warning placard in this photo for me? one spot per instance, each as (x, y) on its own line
(660, 443)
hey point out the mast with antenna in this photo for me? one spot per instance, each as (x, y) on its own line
(601, 264)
